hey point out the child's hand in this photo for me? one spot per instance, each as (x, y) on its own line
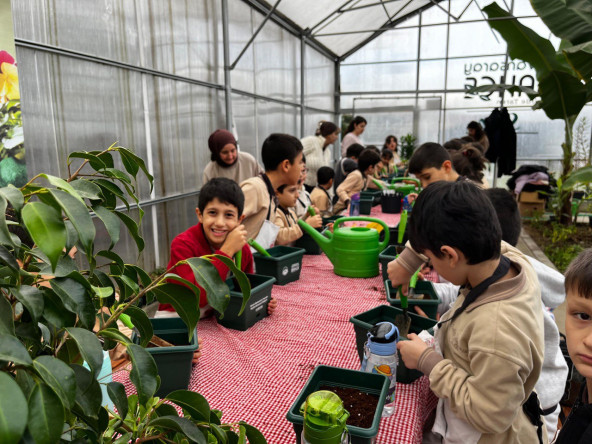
(197, 353)
(315, 221)
(420, 312)
(398, 276)
(411, 350)
(411, 197)
(271, 306)
(235, 241)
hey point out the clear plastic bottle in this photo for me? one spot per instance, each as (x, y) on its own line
(354, 205)
(380, 356)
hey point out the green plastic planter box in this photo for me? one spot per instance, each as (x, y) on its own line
(394, 236)
(376, 196)
(284, 264)
(372, 383)
(389, 254)
(256, 308)
(308, 244)
(366, 205)
(429, 306)
(173, 363)
(365, 321)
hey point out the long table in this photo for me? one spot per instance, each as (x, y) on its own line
(256, 375)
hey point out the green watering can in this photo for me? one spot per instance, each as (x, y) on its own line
(353, 251)
(405, 189)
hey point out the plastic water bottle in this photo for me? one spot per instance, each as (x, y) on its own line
(407, 205)
(324, 419)
(380, 356)
(354, 205)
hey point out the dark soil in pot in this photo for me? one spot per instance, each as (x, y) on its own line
(361, 406)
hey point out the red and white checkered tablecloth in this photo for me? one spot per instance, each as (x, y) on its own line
(256, 375)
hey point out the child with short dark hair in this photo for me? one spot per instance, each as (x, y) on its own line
(286, 219)
(304, 200)
(320, 195)
(219, 231)
(578, 331)
(347, 164)
(551, 383)
(282, 159)
(491, 340)
(431, 163)
(357, 180)
(385, 167)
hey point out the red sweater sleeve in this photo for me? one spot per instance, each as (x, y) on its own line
(185, 247)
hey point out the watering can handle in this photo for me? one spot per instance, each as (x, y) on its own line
(381, 245)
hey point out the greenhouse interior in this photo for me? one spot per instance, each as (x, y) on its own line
(214, 223)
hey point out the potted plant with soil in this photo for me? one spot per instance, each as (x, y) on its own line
(425, 298)
(363, 396)
(57, 313)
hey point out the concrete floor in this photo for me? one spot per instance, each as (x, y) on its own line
(530, 248)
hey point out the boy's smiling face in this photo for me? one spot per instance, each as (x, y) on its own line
(578, 330)
(218, 219)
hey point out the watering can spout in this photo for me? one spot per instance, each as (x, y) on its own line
(325, 243)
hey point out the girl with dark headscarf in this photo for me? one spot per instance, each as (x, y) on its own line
(227, 161)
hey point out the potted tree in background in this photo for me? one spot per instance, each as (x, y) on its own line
(56, 315)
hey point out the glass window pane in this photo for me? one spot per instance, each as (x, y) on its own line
(398, 44)
(382, 77)
(435, 15)
(431, 74)
(477, 39)
(433, 42)
(320, 80)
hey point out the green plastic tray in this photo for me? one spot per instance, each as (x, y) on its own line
(340, 377)
(366, 205)
(256, 308)
(173, 363)
(389, 254)
(374, 194)
(284, 264)
(429, 306)
(365, 321)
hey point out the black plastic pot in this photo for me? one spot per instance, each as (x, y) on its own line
(256, 308)
(366, 205)
(371, 383)
(391, 203)
(366, 320)
(284, 264)
(173, 363)
(389, 254)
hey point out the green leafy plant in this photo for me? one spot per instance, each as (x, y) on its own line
(564, 77)
(56, 316)
(407, 146)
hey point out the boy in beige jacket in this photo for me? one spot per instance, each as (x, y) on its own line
(286, 217)
(357, 180)
(491, 344)
(320, 196)
(282, 158)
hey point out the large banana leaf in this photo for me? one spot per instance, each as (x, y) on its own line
(580, 59)
(579, 177)
(565, 19)
(581, 7)
(562, 93)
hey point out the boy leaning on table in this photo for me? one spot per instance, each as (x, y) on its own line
(491, 341)
(219, 231)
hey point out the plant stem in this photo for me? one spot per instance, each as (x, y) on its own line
(151, 438)
(77, 172)
(153, 284)
(31, 181)
(62, 342)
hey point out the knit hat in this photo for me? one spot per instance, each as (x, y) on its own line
(218, 140)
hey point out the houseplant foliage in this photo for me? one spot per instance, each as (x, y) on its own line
(56, 315)
(564, 76)
(407, 146)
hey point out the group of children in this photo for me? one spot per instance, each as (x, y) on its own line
(496, 364)
(496, 350)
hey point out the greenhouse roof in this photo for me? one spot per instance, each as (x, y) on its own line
(341, 27)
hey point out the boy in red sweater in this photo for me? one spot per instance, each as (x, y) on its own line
(219, 231)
